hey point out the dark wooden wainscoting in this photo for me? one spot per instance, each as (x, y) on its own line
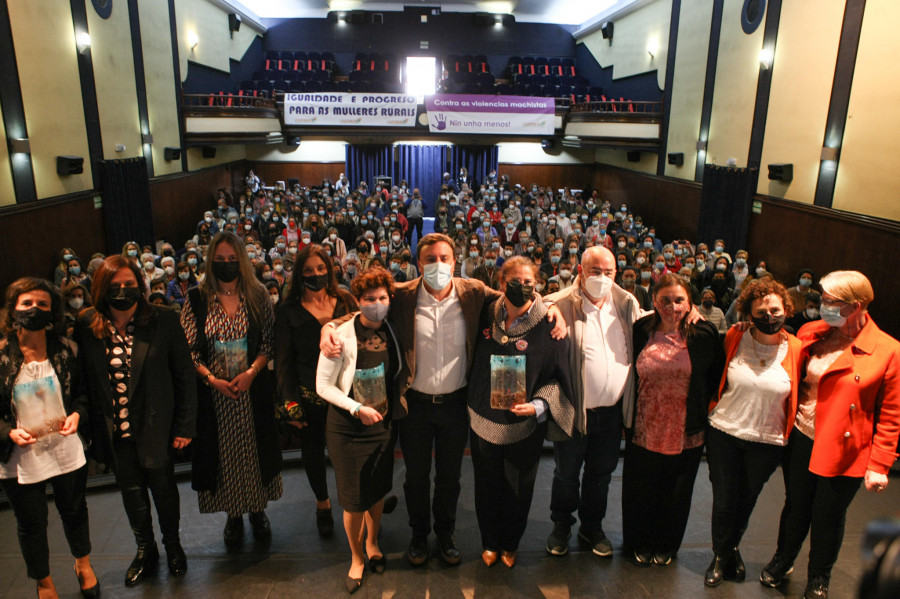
(309, 173)
(32, 235)
(788, 235)
(179, 201)
(557, 176)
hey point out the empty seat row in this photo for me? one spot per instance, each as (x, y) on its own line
(374, 62)
(297, 61)
(540, 65)
(465, 77)
(466, 63)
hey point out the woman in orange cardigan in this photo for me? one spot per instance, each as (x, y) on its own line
(851, 381)
(751, 419)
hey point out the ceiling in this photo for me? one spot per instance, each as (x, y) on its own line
(562, 12)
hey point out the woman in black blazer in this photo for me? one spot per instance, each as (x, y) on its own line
(143, 404)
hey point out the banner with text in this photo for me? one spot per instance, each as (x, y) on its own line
(513, 115)
(350, 110)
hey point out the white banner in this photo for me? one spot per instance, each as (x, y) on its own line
(349, 110)
(510, 115)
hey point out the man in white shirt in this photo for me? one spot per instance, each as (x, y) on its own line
(599, 315)
(436, 320)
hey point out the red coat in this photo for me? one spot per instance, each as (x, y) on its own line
(791, 364)
(859, 390)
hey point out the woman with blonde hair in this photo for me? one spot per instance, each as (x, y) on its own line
(851, 382)
(228, 322)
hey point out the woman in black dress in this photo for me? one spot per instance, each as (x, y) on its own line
(361, 387)
(312, 299)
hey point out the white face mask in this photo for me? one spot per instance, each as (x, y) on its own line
(811, 313)
(832, 316)
(598, 286)
(438, 274)
(76, 302)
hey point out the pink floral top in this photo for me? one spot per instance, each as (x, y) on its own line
(664, 368)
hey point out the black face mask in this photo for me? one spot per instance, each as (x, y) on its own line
(768, 325)
(123, 299)
(32, 319)
(362, 250)
(518, 294)
(226, 271)
(708, 303)
(315, 282)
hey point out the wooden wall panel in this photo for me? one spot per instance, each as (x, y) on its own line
(309, 173)
(574, 176)
(31, 238)
(179, 201)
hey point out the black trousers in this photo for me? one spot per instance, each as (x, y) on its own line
(445, 428)
(656, 498)
(29, 504)
(598, 452)
(813, 504)
(312, 443)
(504, 487)
(134, 481)
(738, 470)
(414, 223)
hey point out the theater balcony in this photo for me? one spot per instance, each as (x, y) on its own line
(618, 124)
(230, 118)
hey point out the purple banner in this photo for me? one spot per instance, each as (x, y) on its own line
(513, 115)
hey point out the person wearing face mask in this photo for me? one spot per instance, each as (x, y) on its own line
(209, 223)
(719, 251)
(436, 319)
(677, 371)
(645, 279)
(415, 215)
(143, 405)
(711, 312)
(75, 274)
(183, 282)
(361, 387)
(132, 251)
(472, 258)
(628, 282)
(720, 266)
(38, 361)
(599, 315)
(340, 248)
(149, 270)
(76, 297)
(62, 268)
(312, 299)
(809, 314)
(566, 272)
(228, 322)
(740, 270)
(750, 420)
(519, 393)
(851, 382)
(805, 284)
(672, 263)
(279, 274)
(488, 272)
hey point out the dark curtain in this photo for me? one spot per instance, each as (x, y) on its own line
(423, 167)
(126, 203)
(364, 163)
(479, 160)
(726, 204)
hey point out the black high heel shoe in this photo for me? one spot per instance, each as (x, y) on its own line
(91, 593)
(378, 564)
(352, 584)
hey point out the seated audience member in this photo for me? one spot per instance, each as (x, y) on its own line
(805, 280)
(809, 313)
(629, 284)
(711, 312)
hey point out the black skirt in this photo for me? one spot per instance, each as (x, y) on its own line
(363, 458)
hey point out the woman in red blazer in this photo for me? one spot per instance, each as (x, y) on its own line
(851, 382)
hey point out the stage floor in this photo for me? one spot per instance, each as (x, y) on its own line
(298, 563)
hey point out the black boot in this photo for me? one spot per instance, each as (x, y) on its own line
(262, 529)
(145, 563)
(737, 571)
(234, 530)
(816, 588)
(775, 571)
(715, 573)
(176, 559)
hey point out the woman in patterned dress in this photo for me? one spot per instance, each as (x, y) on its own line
(228, 322)
(678, 367)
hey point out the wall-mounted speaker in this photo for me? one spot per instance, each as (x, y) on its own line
(357, 17)
(781, 172)
(234, 22)
(607, 30)
(172, 154)
(676, 158)
(484, 19)
(209, 151)
(69, 165)
(634, 156)
(378, 18)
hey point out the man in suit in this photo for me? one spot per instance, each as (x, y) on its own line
(143, 394)
(436, 320)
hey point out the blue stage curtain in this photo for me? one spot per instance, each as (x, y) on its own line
(479, 160)
(364, 163)
(423, 167)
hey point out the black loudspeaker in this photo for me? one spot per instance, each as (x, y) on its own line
(548, 144)
(634, 156)
(781, 172)
(607, 30)
(378, 18)
(209, 151)
(357, 17)
(172, 153)
(234, 22)
(484, 19)
(69, 165)
(677, 159)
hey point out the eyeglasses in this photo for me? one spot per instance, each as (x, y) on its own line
(833, 302)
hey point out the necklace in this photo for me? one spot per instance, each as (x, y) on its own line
(753, 343)
(227, 293)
